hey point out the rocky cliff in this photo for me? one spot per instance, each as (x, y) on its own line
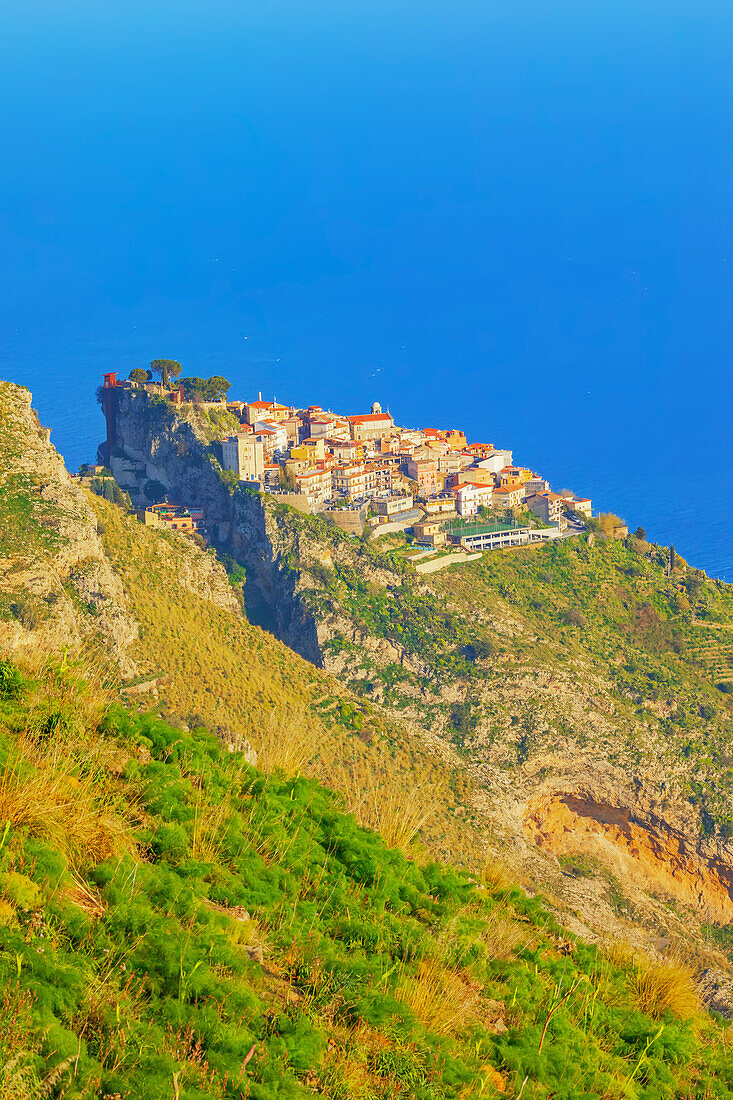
(56, 584)
(175, 448)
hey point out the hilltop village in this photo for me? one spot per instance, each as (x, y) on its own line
(367, 473)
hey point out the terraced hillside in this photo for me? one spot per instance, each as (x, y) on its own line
(711, 645)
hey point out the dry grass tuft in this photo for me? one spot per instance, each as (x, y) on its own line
(285, 743)
(503, 936)
(442, 997)
(660, 986)
(656, 985)
(390, 804)
(47, 798)
(86, 899)
(495, 875)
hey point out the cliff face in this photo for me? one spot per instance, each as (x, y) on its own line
(55, 581)
(156, 443)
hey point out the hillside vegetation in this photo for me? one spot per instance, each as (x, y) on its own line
(210, 666)
(582, 687)
(175, 923)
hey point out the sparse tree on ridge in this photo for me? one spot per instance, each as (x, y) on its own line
(166, 368)
(138, 375)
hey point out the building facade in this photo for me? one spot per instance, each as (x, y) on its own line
(245, 456)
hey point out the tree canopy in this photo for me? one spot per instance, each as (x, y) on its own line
(138, 375)
(166, 368)
(205, 389)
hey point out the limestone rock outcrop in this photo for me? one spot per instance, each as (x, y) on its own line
(55, 582)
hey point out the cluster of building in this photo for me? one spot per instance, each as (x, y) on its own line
(366, 469)
(324, 461)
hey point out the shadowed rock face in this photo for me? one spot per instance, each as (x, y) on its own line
(155, 443)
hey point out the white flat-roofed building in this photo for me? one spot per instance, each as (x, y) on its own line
(391, 506)
(245, 456)
(495, 461)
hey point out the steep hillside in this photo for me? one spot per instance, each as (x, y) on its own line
(563, 706)
(191, 655)
(568, 679)
(583, 689)
(202, 662)
(174, 923)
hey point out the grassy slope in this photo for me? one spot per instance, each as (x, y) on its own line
(239, 680)
(174, 923)
(609, 611)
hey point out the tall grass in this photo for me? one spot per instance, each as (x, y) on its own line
(286, 742)
(209, 822)
(442, 997)
(495, 875)
(657, 985)
(664, 985)
(503, 936)
(48, 798)
(388, 802)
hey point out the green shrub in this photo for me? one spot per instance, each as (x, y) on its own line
(11, 682)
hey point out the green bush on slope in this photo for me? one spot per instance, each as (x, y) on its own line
(248, 939)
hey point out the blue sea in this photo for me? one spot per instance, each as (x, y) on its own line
(510, 216)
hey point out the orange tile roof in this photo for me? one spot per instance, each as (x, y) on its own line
(366, 417)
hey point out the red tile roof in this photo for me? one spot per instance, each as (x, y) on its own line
(366, 418)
